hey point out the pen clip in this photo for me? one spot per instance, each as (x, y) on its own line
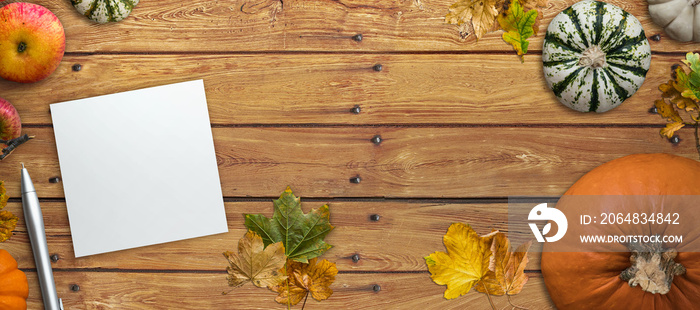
(60, 304)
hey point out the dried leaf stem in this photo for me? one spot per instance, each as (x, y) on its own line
(488, 295)
(697, 138)
(289, 293)
(305, 298)
(515, 306)
(12, 144)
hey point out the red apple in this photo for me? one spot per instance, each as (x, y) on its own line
(10, 124)
(32, 42)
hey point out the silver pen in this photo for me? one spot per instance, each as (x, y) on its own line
(37, 236)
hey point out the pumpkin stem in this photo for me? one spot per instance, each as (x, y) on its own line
(653, 267)
(593, 57)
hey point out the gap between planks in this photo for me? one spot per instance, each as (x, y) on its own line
(311, 53)
(531, 273)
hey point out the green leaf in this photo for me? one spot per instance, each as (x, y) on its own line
(687, 84)
(517, 25)
(693, 61)
(302, 234)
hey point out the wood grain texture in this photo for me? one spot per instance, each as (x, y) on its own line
(462, 122)
(405, 233)
(438, 162)
(125, 290)
(322, 89)
(302, 25)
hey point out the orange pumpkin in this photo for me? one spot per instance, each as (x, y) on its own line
(601, 280)
(13, 284)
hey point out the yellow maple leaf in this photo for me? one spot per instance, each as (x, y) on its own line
(255, 263)
(466, 262)
(303, 279)
(480, 13)
(506, 274)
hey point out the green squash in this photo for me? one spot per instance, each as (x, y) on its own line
(103, 11)
(595, 55)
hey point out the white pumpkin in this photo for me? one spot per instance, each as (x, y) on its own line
(104, 11)
(679, 18)
(595, 55)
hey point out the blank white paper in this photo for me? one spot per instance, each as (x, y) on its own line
(139, 168)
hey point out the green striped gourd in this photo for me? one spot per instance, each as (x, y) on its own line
(103, 11)
(595, 55)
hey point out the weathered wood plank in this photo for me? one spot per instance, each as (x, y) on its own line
(405, 233)
(322, 89)
(448, 162)
(302, 25)
(120, 290)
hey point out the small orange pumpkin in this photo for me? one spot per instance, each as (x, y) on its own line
(607, 280)
(14, 289)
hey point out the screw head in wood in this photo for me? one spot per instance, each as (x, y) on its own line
(656, 37)
(356, 180)
(357, 37)
(356, 109)
(376, 288)
(55, 180)
(675, 139)
(378, 67)
(54, 258)
(355, 258)
(374, 217)
(653, 110)
(77, 67)
(74, 287)
(376, 139)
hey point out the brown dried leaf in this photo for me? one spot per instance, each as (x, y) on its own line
(507, 270)
(667, 111)
(8, 222)
(3, 195)
(670, 90)
(480, 13)
(254, 262)
(671, 129)
(312, 278)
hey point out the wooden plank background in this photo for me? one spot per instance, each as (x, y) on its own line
(463, 124)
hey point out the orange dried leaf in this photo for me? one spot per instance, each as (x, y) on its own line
(507, 272)
(255, 263)
(312, 278)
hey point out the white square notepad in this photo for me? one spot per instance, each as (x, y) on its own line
(139, 168)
